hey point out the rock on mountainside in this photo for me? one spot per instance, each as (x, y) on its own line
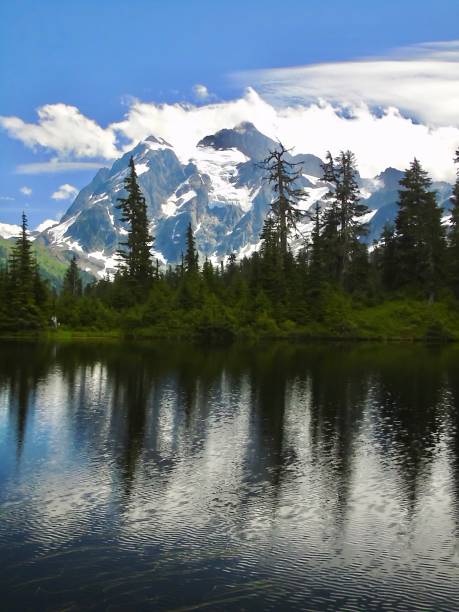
(220, 190)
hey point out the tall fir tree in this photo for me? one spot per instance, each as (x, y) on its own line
(358, 270)
(420, 236)
(72, 284)
(24, 285)
(135, 258)
(343, 228)
(3, 291)
(208, 274)
(453, 235)
(384, 258)
(283, 176)
(272, 261)
(191, 258)
(41, 290)
(330, 244)
(190, 294)
(22, 266)
(231, 265)
(317, 255)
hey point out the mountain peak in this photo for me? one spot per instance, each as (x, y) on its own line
(244, 137)
(390, 178)
(143, 151)
(245, 126)
(156, 140)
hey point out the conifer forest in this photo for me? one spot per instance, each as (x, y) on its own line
(333, 285)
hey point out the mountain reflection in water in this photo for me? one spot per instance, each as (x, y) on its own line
(275, 477)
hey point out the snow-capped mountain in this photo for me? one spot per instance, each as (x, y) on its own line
(220, 189)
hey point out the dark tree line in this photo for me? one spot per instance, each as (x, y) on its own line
(310, 259)
(24, 295)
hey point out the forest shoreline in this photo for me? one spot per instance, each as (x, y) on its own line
(405, 288)
(436, 333)
(73, 336)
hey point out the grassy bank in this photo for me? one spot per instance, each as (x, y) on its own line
(403, 320)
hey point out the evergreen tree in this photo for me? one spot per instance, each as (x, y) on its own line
(208, 274)
(271, 260)
(330, 247)
(384, 257)
(453, 235)
(269, 239)
(157, 272)
(231, 265)
(344, 227)
(190, 294)
(135, 257)
(316, 255)
(283, 175)
(191, 259)
(41, 290)
(72, 284)
(318, 265)
(420, 237)
(358, 271)
(3, 291)
(22, 267)
(22, 283)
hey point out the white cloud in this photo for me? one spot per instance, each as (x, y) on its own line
(6, 199)
(387, 110)
(201, 92)
(65, 192)
(422, 81)
(183, 125)
(27, 191)
(65, 130)
(54, 166)
(44, 225)
(382, 139)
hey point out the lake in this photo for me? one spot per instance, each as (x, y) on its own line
(275, 477)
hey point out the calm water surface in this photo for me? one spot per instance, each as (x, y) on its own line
(273, 478)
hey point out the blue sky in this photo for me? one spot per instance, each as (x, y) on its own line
(98, 56)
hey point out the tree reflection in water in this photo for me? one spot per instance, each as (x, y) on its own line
(315, 469)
